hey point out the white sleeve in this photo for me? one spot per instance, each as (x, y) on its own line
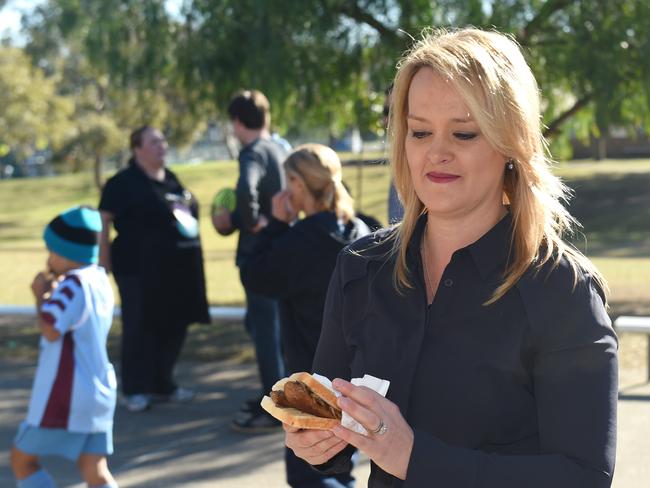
(65, 309)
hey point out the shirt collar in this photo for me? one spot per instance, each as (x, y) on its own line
(493, 250)
(413, 250)
(489, 253)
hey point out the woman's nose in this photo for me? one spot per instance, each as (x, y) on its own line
(439, 152)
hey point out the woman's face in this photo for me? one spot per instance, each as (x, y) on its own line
(454, 170)
(297, 189)
(152, 150)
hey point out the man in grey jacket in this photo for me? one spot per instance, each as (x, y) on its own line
(261, 176)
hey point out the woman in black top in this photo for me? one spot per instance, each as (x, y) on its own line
(293, 262)
(158, 266)
(492, 331)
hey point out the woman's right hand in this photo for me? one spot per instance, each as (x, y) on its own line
(281, 207)
(314, 446)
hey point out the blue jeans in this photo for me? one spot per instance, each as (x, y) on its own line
(263, 324)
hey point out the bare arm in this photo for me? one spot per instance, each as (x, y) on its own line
(48, 331)
(42, 287)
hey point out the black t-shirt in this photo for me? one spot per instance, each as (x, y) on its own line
(156, 223)
(142, 215)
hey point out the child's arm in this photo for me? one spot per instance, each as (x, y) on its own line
(42, 287)
(48, 331)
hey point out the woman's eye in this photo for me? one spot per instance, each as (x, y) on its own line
(419, 134)
(465, 136)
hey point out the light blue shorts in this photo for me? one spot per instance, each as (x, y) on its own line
(39, 441)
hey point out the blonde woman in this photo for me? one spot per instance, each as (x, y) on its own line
(492, 331)
(293, 262)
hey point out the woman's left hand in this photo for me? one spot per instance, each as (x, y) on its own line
(390, 439)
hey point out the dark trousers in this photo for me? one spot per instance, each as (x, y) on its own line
(301, 475)
(149, 351)
(263, 324)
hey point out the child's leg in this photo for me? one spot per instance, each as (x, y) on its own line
(23, 464)
(94, 471)
(28, 471)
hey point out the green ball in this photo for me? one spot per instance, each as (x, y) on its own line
(224, 199)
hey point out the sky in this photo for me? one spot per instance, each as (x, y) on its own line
(10, 16)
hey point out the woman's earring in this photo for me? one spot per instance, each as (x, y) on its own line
(510, 164)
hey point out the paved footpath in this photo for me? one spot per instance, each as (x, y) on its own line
(192, 445)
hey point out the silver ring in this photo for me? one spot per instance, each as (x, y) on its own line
(381, 428)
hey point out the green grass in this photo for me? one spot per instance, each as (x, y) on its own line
(612, 202)
(586, 168)
(26, 205)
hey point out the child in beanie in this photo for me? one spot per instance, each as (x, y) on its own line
(73, 396)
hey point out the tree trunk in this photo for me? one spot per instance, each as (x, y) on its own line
(555, 125)
(599, 148)
(227, 140)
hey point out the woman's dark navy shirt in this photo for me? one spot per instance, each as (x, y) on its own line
(520, 393)
(294, 264)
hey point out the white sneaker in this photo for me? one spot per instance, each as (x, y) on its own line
(179, 395)
(137, 403)
(182, 395)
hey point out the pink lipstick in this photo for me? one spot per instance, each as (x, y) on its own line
(441, 177)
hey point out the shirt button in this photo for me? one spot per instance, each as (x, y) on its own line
(449, 282)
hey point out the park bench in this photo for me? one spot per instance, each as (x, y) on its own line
(638, 325)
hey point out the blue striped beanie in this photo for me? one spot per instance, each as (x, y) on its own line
(74, 234)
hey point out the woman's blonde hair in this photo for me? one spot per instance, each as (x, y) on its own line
(491, 75)
(320, 169)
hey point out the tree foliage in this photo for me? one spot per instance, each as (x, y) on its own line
(589, 56)
(33, 116)
(327, 62)
(97, 136)
(124, 61)
(92, 69)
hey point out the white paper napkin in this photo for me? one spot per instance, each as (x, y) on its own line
(369, 381)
